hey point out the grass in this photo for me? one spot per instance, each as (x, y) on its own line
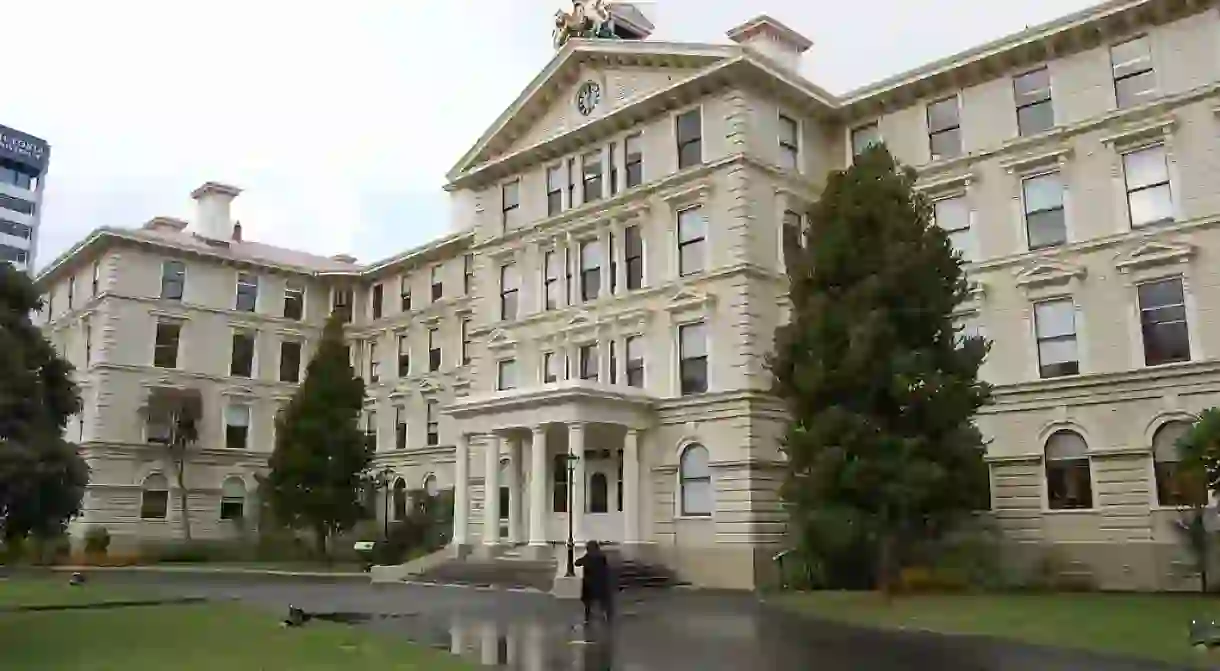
(1150, 626)
(197, 637)
(24, 591)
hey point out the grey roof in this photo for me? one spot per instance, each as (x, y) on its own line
(244, 249)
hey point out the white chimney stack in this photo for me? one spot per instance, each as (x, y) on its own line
(212, 217)
(772, 39)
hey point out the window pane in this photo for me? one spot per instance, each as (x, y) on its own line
(688, 126)
(692, 341)
(1151, 205)
(1160, 294)
(1131, 55)
(554, 178)
(942, 114)
(1166, 343)
(1165, 441)
(697, 497)
(946, 144)
(1044, 192)
(1146, 167)
(1035, 118)
(1066, 445)
(952, 214)
(1068, 484)
(864, 137)
(1055, 319)
(1032, 86)
(237, 415)
(1046, 229)
(695, 462)
(1058, 351)
(691, 224)
(1135, 89)
(963, 241)
(690, 154)
(787, 131)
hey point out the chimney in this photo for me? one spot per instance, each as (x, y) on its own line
(237, 232)
(212, 218)
(772, 39)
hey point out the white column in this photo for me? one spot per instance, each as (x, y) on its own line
(603, 240)
(491, 490)
(576, 448)
(514, 490)
(461, 492)
(631, 486)
(538, 486)
(620, 257)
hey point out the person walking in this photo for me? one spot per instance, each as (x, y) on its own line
(597, 583)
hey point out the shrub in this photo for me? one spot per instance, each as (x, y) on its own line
(47, 551)
(97, 541)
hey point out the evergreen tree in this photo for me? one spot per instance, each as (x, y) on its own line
(880, 388)
(42, 477)
(320, 457)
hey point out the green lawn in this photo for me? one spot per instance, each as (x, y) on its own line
(1153, 626)
(201, 637)
(29, 591)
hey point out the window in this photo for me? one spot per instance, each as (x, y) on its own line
(290, 361)
(404, 293)
(953, 216)
(635, 361)
(550, 367)
(1175, 486)
(71, 292)
(612, 159)
(599, 493)
(404, 355)
(592, 176)
(237, 426)
(374, 363)
(789, 143)
(550, 280)
(467, 273)
(692, 358)
(173, 280)
(613, 362)
(506, 374)
(559, 494)
(510, 285)
(554, 190)
(165, 347)
(571, 183)
(433, 424)
(791, 230)
(1035, 112)
(567, 272)
(633, 251)
(465, 326)
(370, 430)
(1068, 484)
(11, 253)
(157, 429)
(438, 286)
(241, 361)
(400, 427)
(1149, 198)
(590, 269)
(692, 232)
(689, 133)
(695, 480)
(633, 160)
(613, 263)
(863, 137)
(16, 177)
(588, 356)
(232, 499)
(294, 301)
(15, 229)
(1055, 325)
(154, 498)
(342, 305)
(377, 300)
(510, 203)
(247, 292)
(1045, 223)
(430, 486)
(87, 336)
(1134, 78)
(434, 350)
(618, 485)
(97, 278)
(944, 128)
(399, 500)
(19, 205)
(1162, 307)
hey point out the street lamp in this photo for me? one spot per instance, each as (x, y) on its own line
(571, 465)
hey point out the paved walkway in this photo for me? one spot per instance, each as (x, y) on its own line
(662, 631)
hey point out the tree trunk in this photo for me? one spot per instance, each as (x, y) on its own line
(885, 565)
(179, 457)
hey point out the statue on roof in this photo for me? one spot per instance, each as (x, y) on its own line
(588, 19)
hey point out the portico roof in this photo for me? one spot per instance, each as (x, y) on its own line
(570, 401)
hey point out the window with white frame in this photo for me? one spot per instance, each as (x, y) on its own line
(689, 132)
(398, 502)
(290, 361)
(613, 345)
(1045, 221)
(554, 190)
(1175, 486)
(572, 170)
(506, 374)
(400, 427)
(590, 269)
(791, 230)
(241, 359)
(465, 327)
(692, 238)
(377, 301)
(432, 419)
(342, 304)
(695, 481)
(165, 346)
(789, 143)
(550, 367)
(294, 301)
(1163, 321)
(247, 292)
(404, 293)
(404, 355)
(633, 256)
(1134, 77)
(588, 359)
(510, 285)
(692, 358)
(154, 497)
(173, 280)
(591, 176)
(374, 363)
(552, 272)
(1149, 196)
(370, 429)
(1035, 111)
(633, 160)
(510, 204)
(467, 273)
(438, 284)
(232, 499)
(612, 167)
(1069, 484)
(635, 361)
(863, 137)
(944, 128)
(237, 426)
(434, 350)
(953, 216)
(97, 278)
(1055, 327)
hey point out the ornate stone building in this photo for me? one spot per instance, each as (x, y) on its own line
(614, 277)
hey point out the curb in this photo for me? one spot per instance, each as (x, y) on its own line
(208, 570)
(477, 588)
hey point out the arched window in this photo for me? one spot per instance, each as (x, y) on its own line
(695, 480)
(154, 499)
(1173, 486)
(1068, 484)
(430, 485)
(599, 493)
(400, 500)
(232, 499)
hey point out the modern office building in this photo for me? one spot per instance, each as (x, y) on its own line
(614, 276)
(23, 168)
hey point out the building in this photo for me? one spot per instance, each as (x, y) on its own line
(23, 168)
(614, 276)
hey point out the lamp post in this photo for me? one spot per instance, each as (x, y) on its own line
(570, 570)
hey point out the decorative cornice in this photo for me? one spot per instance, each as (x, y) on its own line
(1049, 271)
(1140, 132)
(1154, 252)
(1029, 162)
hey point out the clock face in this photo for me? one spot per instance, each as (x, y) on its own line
(587, 97)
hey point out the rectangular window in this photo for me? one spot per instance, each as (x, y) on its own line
(370, 430)
(590, 269)
(1149, 197)
(87, 336)
(588, 361)
(404, 293)
(789, 143)
(294, 301)
(173, 280)
(1045, 223)
(571, 183)
(467, 273)
(1055, 325)
(434, 350)
(554, 190)
(550, 280)
(1134, 78)
(567, 273)
(404, 355)
(290, 361)
(944, 128)
(689, 133)
(550, 367)
(237, 426)
(506, 374)
(692, 233)
(374, 363)
(16, 204)
(559, 494)
(465, 326)
(377, 300)
(433, 424)
(1035, 112)
(342, 305)
(247, 292)
(635, 361)
(241, 363)
(510, 203)
(953, 216)
(692, 358)
(71, 292)
(165, 348)
(633, 160)
(863, 137)
(613, 262)
(510, 286)
(400, 427)
(97, 278)
(792, 229)
(613, 362)
(11, 253)
(633, 251)
(1162, 306)
(592, 176)
(15, 229)
(438, 286)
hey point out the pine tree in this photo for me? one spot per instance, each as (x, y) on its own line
(320, 456)
(42, 477)
(880, 387)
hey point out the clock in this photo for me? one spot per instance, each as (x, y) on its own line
(587, 97)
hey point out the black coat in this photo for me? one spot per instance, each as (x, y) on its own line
(598, 581)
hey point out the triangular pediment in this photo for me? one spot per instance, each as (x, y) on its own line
(687, 297)
(499, 338)
(1049, 271)
(428, 386)
(579, 319)
(1154, 252)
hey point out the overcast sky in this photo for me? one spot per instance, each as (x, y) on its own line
(339, 119)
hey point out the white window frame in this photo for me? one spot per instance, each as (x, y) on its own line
(1078, 335)
(851, 138)
(798, 123)
(1156, 79)
(501, 383)
(231, 402)
(1017, 106)
(1169, 183)
(961, 130)
(1022, 178)
(673, 126)
(964, 194)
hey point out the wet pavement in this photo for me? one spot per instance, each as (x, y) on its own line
(655, 630)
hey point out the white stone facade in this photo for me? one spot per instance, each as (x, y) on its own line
(1072, 190)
